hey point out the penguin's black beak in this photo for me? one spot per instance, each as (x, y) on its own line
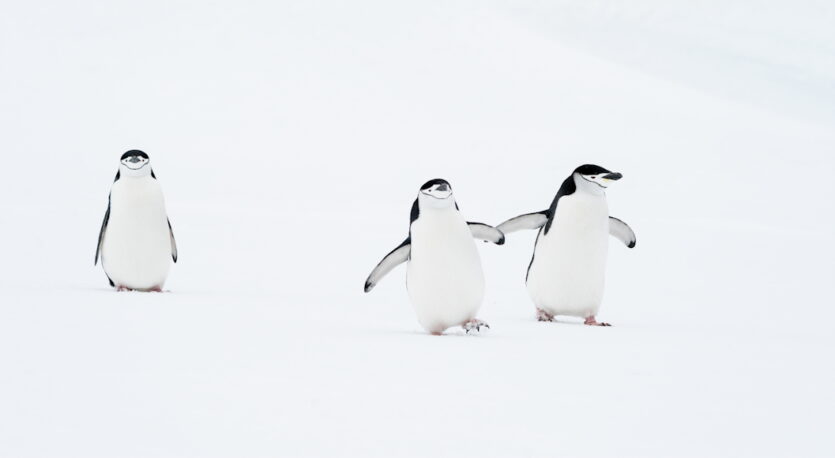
(613, 176)
(133, 159)
(443, 187)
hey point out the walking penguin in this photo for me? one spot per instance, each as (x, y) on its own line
(567, 271)
(444, 276)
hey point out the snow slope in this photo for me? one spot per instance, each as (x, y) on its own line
(290, 140)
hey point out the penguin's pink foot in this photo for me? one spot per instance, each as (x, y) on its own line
(121, 288)
(591, 321)
(474, 324)
(155, 289)
(542, 315)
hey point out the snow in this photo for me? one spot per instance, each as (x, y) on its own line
(290, 140)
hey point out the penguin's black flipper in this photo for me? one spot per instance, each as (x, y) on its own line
(486, 232)
(621, 231)
(526, 221)
(173, 242)
(396, 257)
(101, 232)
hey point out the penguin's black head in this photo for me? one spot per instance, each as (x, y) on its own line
(437, 188)
(596, 174)
(437, 192)
(135, 159)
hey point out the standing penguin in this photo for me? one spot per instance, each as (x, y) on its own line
(136, 239)
(444, 276)
(568, 268)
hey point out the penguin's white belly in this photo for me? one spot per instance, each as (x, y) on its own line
(136, 250)
(567, 275)
(444, 277)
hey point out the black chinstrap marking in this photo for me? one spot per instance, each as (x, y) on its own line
(436, 198)
(593, 182)
(415, 212)
(138, 168)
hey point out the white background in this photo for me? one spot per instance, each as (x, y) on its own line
(291, 138)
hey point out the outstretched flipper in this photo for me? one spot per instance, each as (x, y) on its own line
(622, 232)
(486, 232)
(173, 242)
(101, 233)
(396, 257)
(527, 221)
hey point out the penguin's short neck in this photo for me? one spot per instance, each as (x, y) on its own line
(138, 173)
(429, 203)
(588, 187)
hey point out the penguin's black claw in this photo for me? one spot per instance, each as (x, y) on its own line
(474, 325)
(591, 321)
(542, 315)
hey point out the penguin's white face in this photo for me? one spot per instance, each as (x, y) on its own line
(593, 181)
(135, 164)
(436, 193)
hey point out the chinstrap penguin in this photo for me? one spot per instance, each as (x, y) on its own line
(444, 278)
(567, 271)
(136, 241)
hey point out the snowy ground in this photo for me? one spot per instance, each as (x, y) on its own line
(290, 141)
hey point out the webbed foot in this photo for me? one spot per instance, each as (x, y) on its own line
(474, 324)
(542, 315)
(591, 321)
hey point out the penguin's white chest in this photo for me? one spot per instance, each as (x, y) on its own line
(136, 251)
(444, 276)
(567, 275)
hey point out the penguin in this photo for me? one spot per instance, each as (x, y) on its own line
(444, 278)
(136, 240)
(567, 271)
